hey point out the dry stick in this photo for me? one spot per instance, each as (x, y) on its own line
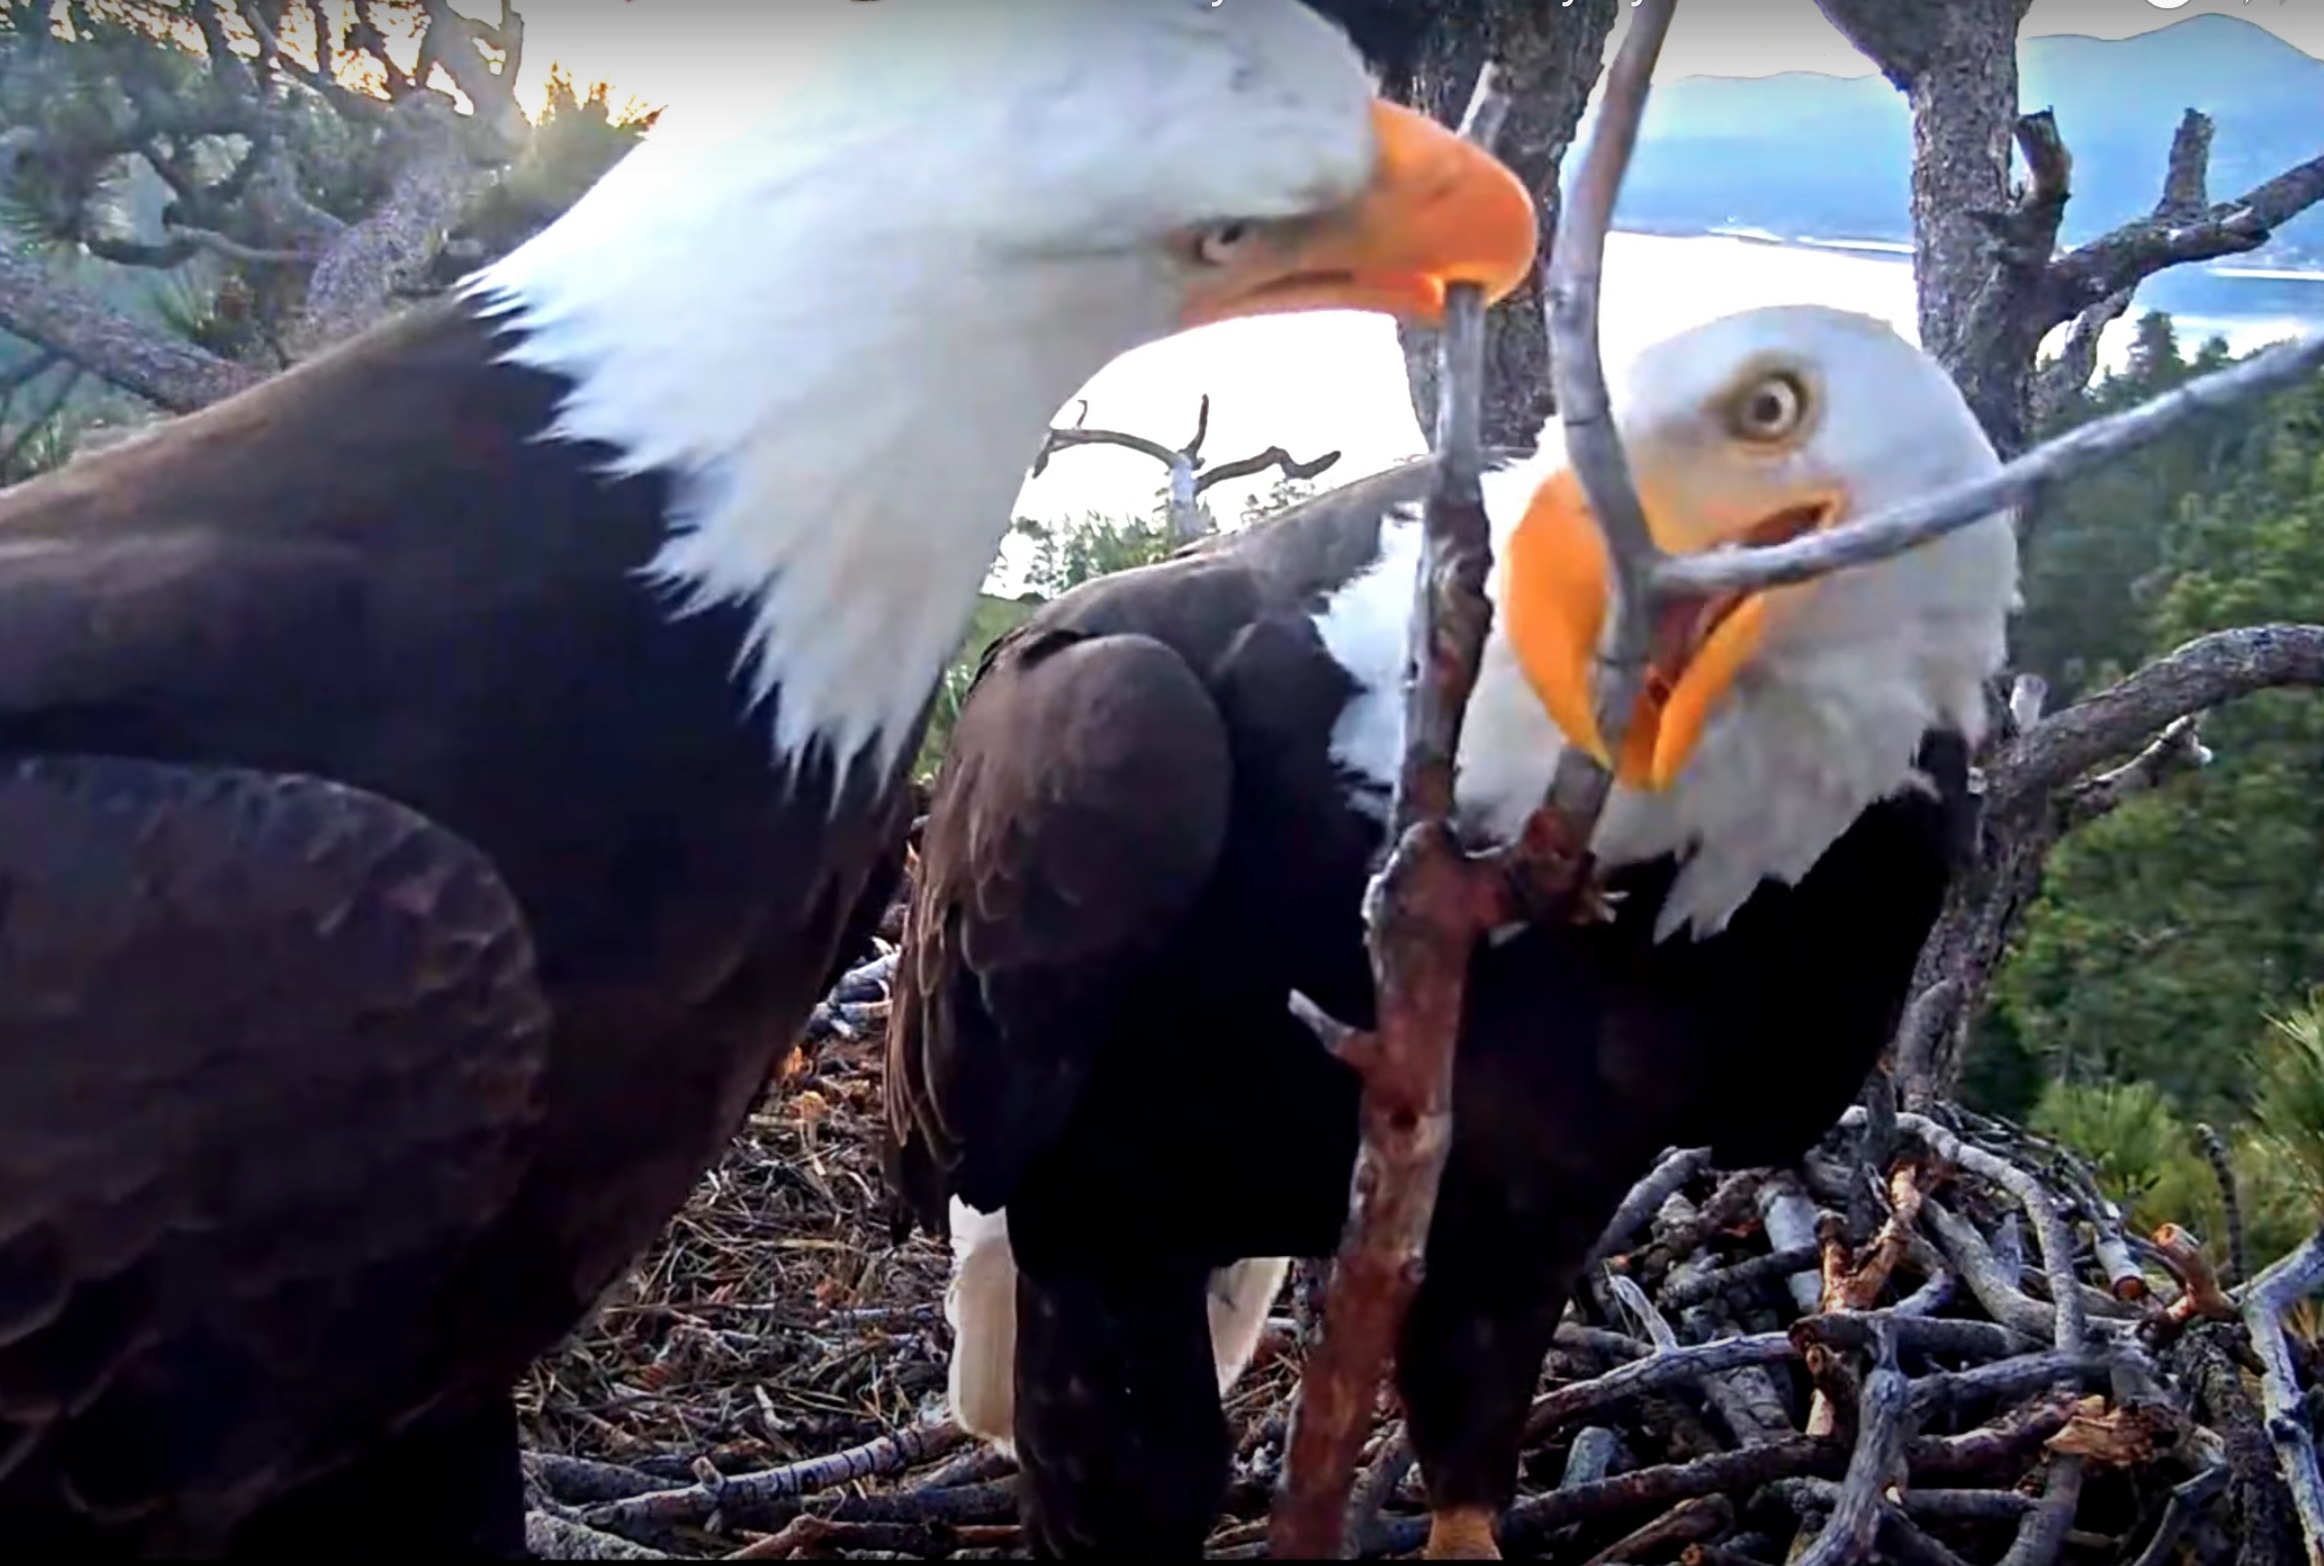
(1848, 1537)
(1669, 1368)
(2271, 1294)
(1422, 921)
(2230, 1203)
(1900, 528)
(1578, 789)
(1684, 1523)
(887, 1454)
(2186, 1501)
(552, 1538)
(1189, 479)
(2057, 1246)
(1647, 1197)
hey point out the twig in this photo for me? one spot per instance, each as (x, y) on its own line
(2199, 674)
(2214, 1148)
(1674, 1171)
(1188, 477)
(1743, 1276)
(1917, 521)
(2057, 1245)
(2043, 1532)
(694, 1503)
(1988, 1281)
(2187, 1500)
(1989, 1448)
(1682, 1524)
(1848, 1536)
(2019, 1377)
(2271, 1294)
(1674, 1367)
(1926, 1334)
(2178, 749)
(1422, 918)
(2199, 1291)
(1902, 1541)
(1578, 790)
(552, 1538)
(1667, 1483)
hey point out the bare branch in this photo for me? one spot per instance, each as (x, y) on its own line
(2042, 1535)
(2178, 749)
(1878, 1459)
(1260, 462)
(2123, 259)
(1422, 917)
(235, 250)
(745, 1493)
(2187, 176)
(2204, 673)
(1062, 439)
(1421, 921)
(1927, 517)
(49, 407)
(1579, 788)
(2214, 1149)
(110, 344)
(2273, 1293)
(453, 41)
(2056, 382)
(1189, 479)
(2057, 1245)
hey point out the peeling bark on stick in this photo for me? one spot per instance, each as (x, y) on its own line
(1430, 906)
(1422, 919)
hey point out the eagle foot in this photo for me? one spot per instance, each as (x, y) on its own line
(1461, 1533)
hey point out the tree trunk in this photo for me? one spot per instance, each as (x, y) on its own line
(1552, 56)
(1956, 63)
(354, 283)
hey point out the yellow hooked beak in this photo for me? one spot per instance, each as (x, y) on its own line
(1439, 211)
(1555, 593)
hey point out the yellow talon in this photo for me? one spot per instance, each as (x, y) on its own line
(1461, 1534)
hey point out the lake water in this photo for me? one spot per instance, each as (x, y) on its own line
(1327, 381)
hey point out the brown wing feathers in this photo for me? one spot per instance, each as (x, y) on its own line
(1081, 807)
(262, 1023)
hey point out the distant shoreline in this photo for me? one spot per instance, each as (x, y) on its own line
(2227, 268)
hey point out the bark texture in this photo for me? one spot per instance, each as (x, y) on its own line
(1550, 57)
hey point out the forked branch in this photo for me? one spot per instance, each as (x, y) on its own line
(1189, 479)
(2272, 1293)
(1422, 918)
(1426, 911)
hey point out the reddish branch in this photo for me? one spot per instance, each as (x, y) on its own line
(1422, 920)
(1432, 903)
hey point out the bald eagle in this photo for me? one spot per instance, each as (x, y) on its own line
(436, 784)
(1155, 822)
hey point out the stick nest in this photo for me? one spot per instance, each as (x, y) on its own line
(1883, 1378)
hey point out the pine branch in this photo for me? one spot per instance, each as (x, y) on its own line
(111, 344)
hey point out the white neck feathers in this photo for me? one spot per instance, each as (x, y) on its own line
(846, 417)
(1825, 723)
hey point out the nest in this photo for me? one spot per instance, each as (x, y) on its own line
(1860, 1358)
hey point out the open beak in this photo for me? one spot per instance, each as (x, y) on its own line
(1555, 593)
(1439, 211)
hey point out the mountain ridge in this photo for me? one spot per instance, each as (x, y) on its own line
(1741, 152)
